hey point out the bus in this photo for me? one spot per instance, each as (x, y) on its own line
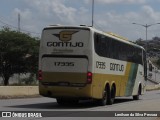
(81, 62)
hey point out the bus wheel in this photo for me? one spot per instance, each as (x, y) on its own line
(111, 97)
(103, 101)
(136, 97)
(61, 101)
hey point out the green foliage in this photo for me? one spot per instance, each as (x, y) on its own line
(30, 80)
(140, 42)
(18, 53)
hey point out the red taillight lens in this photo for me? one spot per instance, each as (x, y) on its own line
(89, 77)
(40, 75)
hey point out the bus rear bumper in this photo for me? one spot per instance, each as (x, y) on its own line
(65, 91)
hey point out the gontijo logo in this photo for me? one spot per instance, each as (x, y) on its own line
(65, 36)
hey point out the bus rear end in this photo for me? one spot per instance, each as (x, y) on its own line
(64, 71)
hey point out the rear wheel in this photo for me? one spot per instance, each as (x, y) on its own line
(103, 101)
(62, 101)
(111, 97)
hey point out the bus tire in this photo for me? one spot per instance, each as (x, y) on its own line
(136, 97)
(111, 97)
(61, 101)
(103, 101)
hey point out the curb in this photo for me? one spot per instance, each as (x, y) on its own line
(7, 92)
(153, 87)
(19, 90)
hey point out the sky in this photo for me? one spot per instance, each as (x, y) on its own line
(114, 16)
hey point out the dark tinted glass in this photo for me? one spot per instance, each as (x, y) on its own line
(111, 48)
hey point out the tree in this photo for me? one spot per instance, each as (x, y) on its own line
(140, 42)
(18, 53)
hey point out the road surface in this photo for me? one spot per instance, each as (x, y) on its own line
(148, 102)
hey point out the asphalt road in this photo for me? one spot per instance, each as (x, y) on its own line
(148, 102)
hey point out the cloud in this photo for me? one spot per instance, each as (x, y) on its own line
(58, 11)
(117, 1)
(63, 12)
(121, 23)
(25, 14)
(26, 19)
(150, 13)
(39, 13)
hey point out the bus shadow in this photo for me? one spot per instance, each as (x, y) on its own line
(122, 100)
(82, 105)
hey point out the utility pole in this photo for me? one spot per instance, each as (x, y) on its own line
(19, 22)
(146, 26)
(92, 13)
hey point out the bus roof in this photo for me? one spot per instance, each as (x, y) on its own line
(109, 34)
(117, 37)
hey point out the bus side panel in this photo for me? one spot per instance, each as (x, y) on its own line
(99, 82)
(131, 79)
(110, 71)
(139, 80)
(126, 83)
(97, 85)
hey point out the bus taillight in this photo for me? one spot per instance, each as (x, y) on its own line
(89, 77)
(40, 75)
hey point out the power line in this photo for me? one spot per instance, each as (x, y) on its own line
(98, 26)
(7, 24)
(18, 28)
